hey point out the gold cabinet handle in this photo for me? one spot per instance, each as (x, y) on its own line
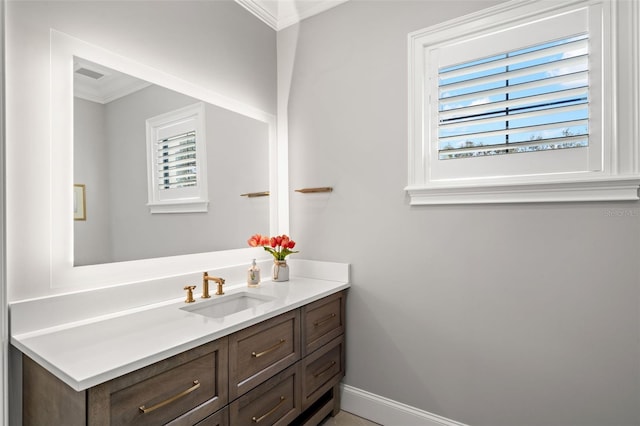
(270, 412)
(271, 349)
(325, 319)
(324, 370)
(312, 190)
(256, 194)
(196, 385)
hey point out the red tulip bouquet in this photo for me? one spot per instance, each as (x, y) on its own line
(280, 246)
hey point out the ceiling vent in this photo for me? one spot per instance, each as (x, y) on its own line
(89, 73)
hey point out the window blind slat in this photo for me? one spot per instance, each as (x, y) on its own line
(177, 165)
(567, 141)
(517, 130)
(544, 98)
(178, 178)
(577, 47)
(185, 147)
(449, 126)
(163, 174)
(162, 144)
(177, 185)
(572, 63)
(564, 80)
(177, 138)
(181, 156)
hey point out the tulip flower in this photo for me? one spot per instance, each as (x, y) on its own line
(279, 246)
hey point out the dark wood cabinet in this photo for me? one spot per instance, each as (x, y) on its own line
(258, 352)
(322, 321)
(285, 370)
(185, 389)
(274, 402)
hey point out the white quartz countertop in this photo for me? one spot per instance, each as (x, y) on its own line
(87, 353)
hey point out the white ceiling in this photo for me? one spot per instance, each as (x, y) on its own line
(105, 86)
(280, 14)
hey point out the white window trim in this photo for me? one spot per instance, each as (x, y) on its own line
(197, 199)
(620, 177)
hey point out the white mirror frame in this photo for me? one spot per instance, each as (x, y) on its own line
(63, 273)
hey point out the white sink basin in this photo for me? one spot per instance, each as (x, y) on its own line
(221, 306)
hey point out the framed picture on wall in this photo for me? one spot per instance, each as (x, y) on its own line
(79, 204)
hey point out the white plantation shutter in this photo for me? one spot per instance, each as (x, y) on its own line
(176, 160)
(176, 147)
(522, 102)
(529, 100)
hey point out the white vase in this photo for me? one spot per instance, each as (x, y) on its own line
(280, 271)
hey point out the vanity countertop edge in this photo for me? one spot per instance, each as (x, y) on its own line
(92, 352)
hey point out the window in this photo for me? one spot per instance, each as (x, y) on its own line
(516, 104)
(176, 159)
(533, 99)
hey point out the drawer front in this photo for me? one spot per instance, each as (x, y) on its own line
(323, 321)
(275, 402)
(184, 389)
(260, 351)
(322, 370)
(221, 418)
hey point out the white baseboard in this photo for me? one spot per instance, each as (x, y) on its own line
(388, 412)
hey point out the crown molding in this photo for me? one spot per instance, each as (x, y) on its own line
(283, 13)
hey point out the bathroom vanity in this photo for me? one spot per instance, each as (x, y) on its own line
(278, 362)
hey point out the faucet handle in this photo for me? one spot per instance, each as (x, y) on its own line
(190, 289)
(220, 291)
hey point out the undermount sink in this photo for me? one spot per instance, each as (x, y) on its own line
(221, 306)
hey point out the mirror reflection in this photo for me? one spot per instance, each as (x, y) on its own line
(111, 110)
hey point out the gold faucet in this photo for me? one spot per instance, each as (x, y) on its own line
(205, 285)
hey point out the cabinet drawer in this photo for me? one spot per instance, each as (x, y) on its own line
(262, 350)
(323, 321)
(221, 418)
(275, 402)
(322, 370)
(185, 389)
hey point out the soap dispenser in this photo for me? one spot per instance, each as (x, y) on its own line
(253, 275)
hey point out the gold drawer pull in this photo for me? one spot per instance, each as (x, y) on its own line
(325, 319)
(196, 385)
(324, 370)
(270, 412)
(271, 349)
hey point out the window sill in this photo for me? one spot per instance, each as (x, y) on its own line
(179, 207)
(612, 189)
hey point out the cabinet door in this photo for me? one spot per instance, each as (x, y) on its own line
(322, 321)
(260, 351)
(322, 370)
(46, 400)
(274, 402)
(192, 384)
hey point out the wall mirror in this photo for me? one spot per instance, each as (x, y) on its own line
(111, 161)
(127, 243)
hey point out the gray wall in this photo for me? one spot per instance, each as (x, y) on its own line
(514, 315)
(92, 237)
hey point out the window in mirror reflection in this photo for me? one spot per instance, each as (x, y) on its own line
(176, 147)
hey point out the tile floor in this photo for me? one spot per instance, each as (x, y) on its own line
(347, 419)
